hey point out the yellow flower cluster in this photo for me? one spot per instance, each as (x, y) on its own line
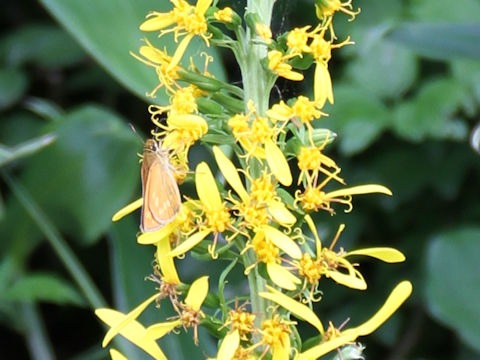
(259, 218)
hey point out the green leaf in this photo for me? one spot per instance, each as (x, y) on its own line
(43, 108)
(357, 116)
(88, 173)
(440, 41)
(431, 112)
(24, 149)
(13, 84)
(385, 68)
(44, 287)
(445, 10)
(42, 44)
(109, 30)
(452, 279)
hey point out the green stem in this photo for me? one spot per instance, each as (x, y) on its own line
(34, 332)
(256, 84)
(58, 244)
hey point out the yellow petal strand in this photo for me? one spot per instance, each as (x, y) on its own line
(133, 331)
(230, 173)
(313, 229)
(277, 163)
(282, 241)
(229, 346)
(179, 52)
(298, 309)
(132, 315)
(159, 330)
(397, 297)
(324, 348)
(188, 244)
(153, 237)
(282, 277)
(202, 6)
(127, 209)
(357, 190)
(188, 122)
(152, 54)
(281, 112)
(206, 187)
(197, 293)
(166, 263)
(348, 280)
(117, 355)
(322, 85)
(281, 351)
(386, 254)
(158, 22)
(281, 214)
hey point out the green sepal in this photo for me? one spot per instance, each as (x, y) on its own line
(228, 102)
(217, 34)
(251, 19)
(208, 106)
(212, 301)
(214, 326)
(303, 62)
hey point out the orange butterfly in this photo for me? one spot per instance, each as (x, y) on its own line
(161, 197)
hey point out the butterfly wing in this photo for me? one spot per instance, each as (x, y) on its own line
(161, 197)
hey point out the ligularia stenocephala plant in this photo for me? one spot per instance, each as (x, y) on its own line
(259, 216)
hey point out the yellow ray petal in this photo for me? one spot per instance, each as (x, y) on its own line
(298, 309)
(282, 277)
(319, 350)
(229, 346)
(166, 263)
(348, 280)
(206, 187)
(202, 6)
(386, 254)
(157, 22)
(197, 293)
(357, 190)
(282, 241)
(277, 163)
(158, 330)
(180, 51)
(188, 122)
(230, 173)
(153, 237)
(280, 213)
(188, 244)
(132, 315)
(322, 85)
(127, 209)
(396, 298)
(133, 331)
(117, 355)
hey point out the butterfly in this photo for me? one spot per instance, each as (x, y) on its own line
(161, 197)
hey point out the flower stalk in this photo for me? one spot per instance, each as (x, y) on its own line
(258, 217)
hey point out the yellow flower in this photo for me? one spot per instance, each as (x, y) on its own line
(334, 264)
(325, 9)
(225, 15)
(312, 162)
(160, 61)
(396, 298)
(228, 347)
(313, 198)
(188, 19)
(217, 216)
(276, 63)
(190, 312)
(276, 336)
(258, 137)
(297, 40)
(264, 32)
